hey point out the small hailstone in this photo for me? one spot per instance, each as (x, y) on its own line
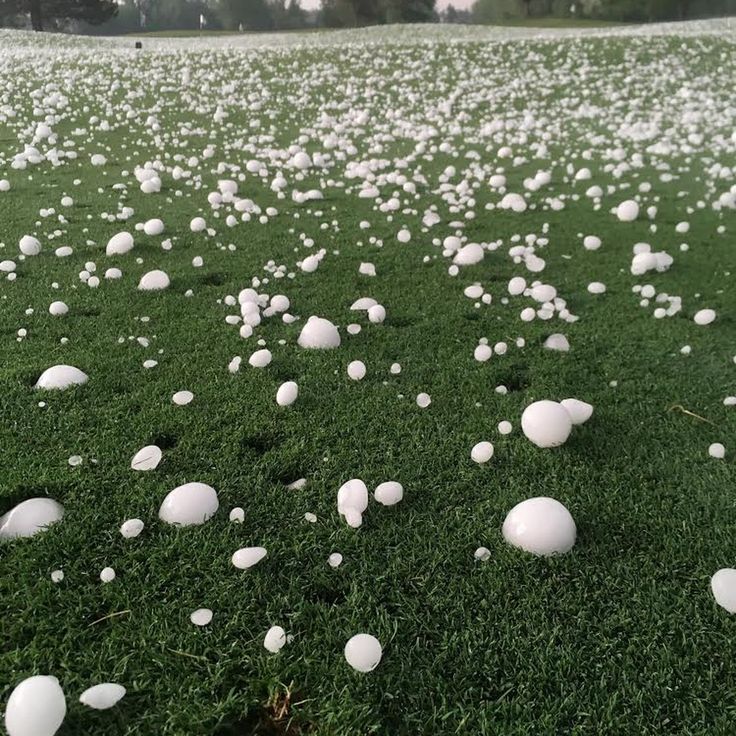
(75, 460)
(377, 314)
(542, 526)
(182, 398)
(504, 427)
(102, 696)
(147, 458)
(197, 261)
(356, 370)
(723, 587)
(482, 452)
(237, 515)
(131, 528)
(579, 411)
(596, 287)
(58, 309)
(201, 617)
(717, 450)
(591, 242)
(423, 400)
(57, 576)
(389, 493)
(704, 317)
(395, 369)
(363, 652)
(627, 211)
(287, 393)
(557, 342)
(482, 353)
(248, 557)
(107, 575)
(354, 329)
(334, 560)
(260, 359)
(275, 639)
(482, 554)
(156, 280)
(546, 423)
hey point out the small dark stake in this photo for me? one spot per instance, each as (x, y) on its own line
(139, 44)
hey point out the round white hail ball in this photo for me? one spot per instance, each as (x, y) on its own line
(36, 707)
(723, 585)
(627, 211)
(363, 652)
(102, 696)
(132, 528)
(275, 639)
(356, 370)
(154, 281)
(201, 617)
(30, 517)
(482, 452)
(546, 423)
(717, 450)
(58, 309)
(389, 493)
(248, 556)
(319, 334)
(60, 377)
(579, 411)
(29, 246)
(119, 244)
(704, 316)
(189, 504)
(542, 526)
(287, 393)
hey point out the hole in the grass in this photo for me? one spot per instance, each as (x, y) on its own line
(472, 316)
(214, 279)
(260, 443)
(89, 312)
(400, 321)
(326, 596)
(164, 440)
(273, 718)
(517, 380)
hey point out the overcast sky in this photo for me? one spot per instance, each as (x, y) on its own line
(309, 4)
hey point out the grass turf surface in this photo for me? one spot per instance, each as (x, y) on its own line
(619, 636)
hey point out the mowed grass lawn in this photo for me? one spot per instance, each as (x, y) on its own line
(619, 636)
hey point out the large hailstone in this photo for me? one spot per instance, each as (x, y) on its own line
(248, 556)
(29, 246)
(147, 458)
(154, 281)
(119, 244)
(319, 334)
(363, 652)
(36, 707)
(60, 377)
(287, 393)
(275, 639)
(627, 211)
(542, 526)
(30, 517)
(353, 494)
(102, 696)
(723, 585)
(579, 411)
(546, 423)
(189, 504)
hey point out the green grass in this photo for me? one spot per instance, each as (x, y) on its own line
(550, 22)
(620, 636)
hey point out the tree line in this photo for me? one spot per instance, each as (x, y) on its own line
(129, 16)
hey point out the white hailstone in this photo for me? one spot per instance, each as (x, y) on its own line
(363, 652)
(517, 285)
(528, 314)
(237, 515)
(363, 304)
(113, 273)
(153, 227)
(474, 291)
(147, 458)
(367, 269)
(504, 427)
(319, 334)
(57, 576)
(189, 504)
(234, 365)
(353, 517)
(182, 398)
(102, 696)
(36, 707)
(150, 363)
(356, 370)
(201, 617)
(514, 202)
(482, 452)
(542, 526)
(723, 585)
(197, 261)
(58, 309)
(7, 266)
(482, 353)
(310, 517)
(627, 211)
(354, 329)
(579, 411)
(93, 282)
(4, 185)
(275, 639)
(260, 359)
(423, 400)
(154, 281)
(596, 287)
(469, 255)
(197, 225)
(287, 393)
(543, 293)
(395, 369)
(403, 236)
(557, 342)
(131, 528)
(334, 560)
(717, 450)
(30, 517)
(248, 556)
(310, 264)
(301, 160)
(280, 303)
(682, 227)
(60, 377)
(97, 159)
(546, 423)
(377, 314)
(482, 554)
(119, 244)
(75, 460)
(107, 575)
(29, 246)
(704, 316)
(352, 495)
(389, 493)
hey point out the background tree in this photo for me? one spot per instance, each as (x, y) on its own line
(48, 13)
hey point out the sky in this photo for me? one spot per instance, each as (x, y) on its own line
(441, 4)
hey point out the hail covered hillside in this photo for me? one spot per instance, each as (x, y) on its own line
(369, 382)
